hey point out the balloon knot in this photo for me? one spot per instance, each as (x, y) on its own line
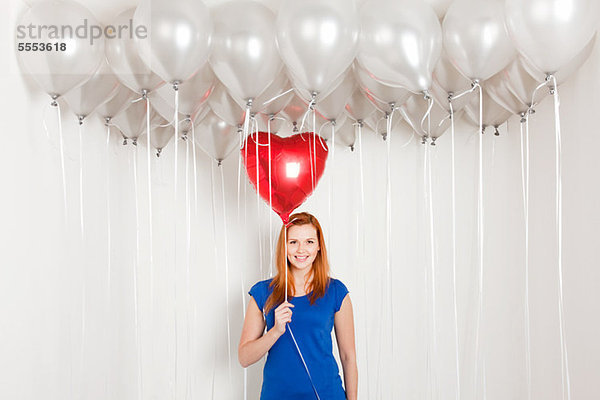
(176, 85)
(433, 141)
(496, 131)
(134, 142)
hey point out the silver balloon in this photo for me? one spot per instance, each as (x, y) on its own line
(178, 39)
(566, 71)
(476, 38)
(124, 60)
(100, 88)
(164, 109)
(377, 122)
(160, 136)
(317, 40)
(192, 92)
(332, 107)
(272, 100)
(225, 106)
(431, 125)
(550, 33)
(493, 114)
(345, 133)
(56, 70)
(132, 121)
(216, 137)
(448, 80)
(358, 106)
(244, 56)
(522, 85)
(497, 88)
(439, 6)
(295, 110)
(400, 42)
(120, 101)
(382, 96)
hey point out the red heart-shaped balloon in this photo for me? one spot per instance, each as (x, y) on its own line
(297, 164)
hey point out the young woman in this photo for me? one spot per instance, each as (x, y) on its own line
(300, 364)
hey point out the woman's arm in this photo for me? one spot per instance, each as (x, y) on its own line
(344, 333)
(253, 344)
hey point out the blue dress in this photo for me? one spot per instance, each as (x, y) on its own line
(284, 375)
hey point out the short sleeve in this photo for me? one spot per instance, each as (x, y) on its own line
(340, 293)
(259, 293)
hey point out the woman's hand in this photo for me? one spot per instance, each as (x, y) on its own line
(283, 315)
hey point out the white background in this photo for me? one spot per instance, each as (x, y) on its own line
(68, 326)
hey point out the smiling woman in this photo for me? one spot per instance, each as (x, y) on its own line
(301, 365)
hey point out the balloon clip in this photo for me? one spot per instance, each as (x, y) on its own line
(145, 94)
(426, 95)
(295, 124)
(54, 102)
(80, 119)
(124, 141)
(450, 96)
(496, 131)
(523, 119)
(184, 136)
(475, 83)
(483, 129)
(219, 162)
(134, 141)
(107, 121)
(158, 151)
(433, 141)
(423, 139)
(552, 90)
(351, 147)
(384, 135)
(176, 85)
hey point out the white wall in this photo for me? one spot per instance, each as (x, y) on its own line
(68, 326)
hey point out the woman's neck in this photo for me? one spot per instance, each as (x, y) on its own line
(302, 279)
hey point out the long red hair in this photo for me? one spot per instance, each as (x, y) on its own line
(319, 270)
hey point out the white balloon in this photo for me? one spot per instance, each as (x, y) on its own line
(272, 100)
(317, 40)
(431, 125)
(58, 70)
(120, 101)
(400, 42)
(358, 106)
(132, 120)
(123, 58)
(565, 71)
(295, 110)
(439, 6)
(332, 107)
(497, 88)
(178, 39)
(382, 96)
(493, 114)
(192, 92)
(216, 137)
(225, 106)
(550, 33)
(476, 39)
(244, 56)
(100, 88)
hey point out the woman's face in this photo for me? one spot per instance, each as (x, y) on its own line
(302, 245)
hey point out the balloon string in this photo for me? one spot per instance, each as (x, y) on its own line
(314, 151)
(62, 160)
(188, 252)
(433, 273)
(260, 252)
(303, 362)
(453, 173)
(388, 235)
(278, 96)
(216, 254)
(474, 85)
(150, 225)
(541, 85)
(44, 124)
(109, 259)
(427, 114)
(270, 200)
(81, 223)
(239, 175)
(361, 245)
(247, 117)
(564, 354)
(525, 188)
(175, 241)
(429, 372)
(330, 194)
(195, 163)
(226, 272)
(135, 278)
(480, 236)
(310, 107)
